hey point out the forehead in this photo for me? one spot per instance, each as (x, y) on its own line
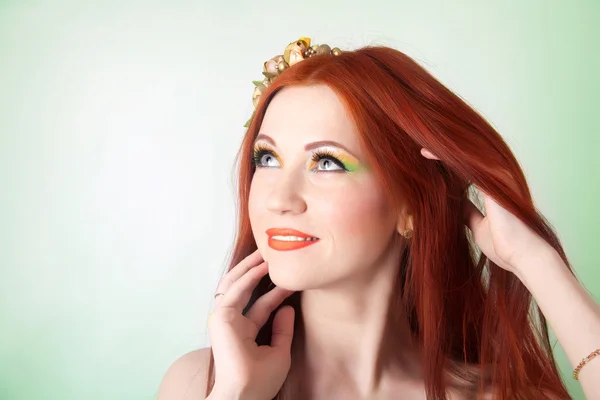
(309, 113)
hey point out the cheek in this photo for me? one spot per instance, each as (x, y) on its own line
(256, 201)
(358, 212)
(361, 226)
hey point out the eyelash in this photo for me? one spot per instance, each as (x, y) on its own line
(317, 156)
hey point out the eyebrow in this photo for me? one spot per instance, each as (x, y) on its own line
(307, 147)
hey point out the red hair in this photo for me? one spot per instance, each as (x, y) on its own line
(472, 319)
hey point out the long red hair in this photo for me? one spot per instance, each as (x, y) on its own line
(471, 318)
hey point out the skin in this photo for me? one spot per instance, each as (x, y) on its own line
(352, 349)
(348, 276)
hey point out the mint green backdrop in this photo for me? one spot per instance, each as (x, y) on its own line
(118, 126)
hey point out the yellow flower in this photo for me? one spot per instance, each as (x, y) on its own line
(294, 52)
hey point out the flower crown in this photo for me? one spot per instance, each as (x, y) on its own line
(293, 54)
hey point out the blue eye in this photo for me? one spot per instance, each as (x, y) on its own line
(322, 160)
(326, 159)
(264, 157)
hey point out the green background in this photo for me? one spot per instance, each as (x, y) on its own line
(119, 122)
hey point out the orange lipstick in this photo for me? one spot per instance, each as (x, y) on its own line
(285, 239)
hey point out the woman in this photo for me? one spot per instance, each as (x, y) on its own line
(362, 269)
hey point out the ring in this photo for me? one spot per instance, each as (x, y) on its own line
(219, 294)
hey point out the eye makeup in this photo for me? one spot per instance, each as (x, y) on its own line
(345, 162)
(260, 150)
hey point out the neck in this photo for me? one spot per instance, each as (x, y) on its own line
(356, 334)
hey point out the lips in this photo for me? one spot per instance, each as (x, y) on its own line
(291, 243)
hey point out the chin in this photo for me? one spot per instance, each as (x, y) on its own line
(292, 278)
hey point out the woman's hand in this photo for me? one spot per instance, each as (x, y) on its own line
(500, 235)
(244, 370)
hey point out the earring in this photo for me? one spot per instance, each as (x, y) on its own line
(408, 234)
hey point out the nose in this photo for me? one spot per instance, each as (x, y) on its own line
(286, 195)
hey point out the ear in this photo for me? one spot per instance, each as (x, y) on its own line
(405, 222)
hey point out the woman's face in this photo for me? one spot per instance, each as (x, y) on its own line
(312, 177)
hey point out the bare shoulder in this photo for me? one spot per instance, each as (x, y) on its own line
(186, 377)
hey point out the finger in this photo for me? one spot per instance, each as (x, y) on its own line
(483, 192)
(218, 297)
(428, 154)
(283, 329)
(238, 295)
(490, 202)
(263, 307)
(238, 271)
(471, 214)
(227, 325)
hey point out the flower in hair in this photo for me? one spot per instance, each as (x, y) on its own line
(294, 53)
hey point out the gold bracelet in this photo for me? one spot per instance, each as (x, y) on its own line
(583, 362)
